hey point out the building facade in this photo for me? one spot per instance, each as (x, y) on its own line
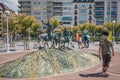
(83, 11)
(107, 11)
(73, 12)
(3, 8)
(43, 9)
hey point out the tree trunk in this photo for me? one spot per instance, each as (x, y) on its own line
(24, 43)
(117, 38)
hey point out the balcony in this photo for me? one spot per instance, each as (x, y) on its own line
(99, 10)
(57, 10)
(114, 16)
(50, 5)
(99, 19)
(57, 14)
(99, 4)
(57, 5)
(25, 6)
(99, 16)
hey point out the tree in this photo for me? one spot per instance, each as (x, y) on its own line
(91, 28)
(26, 23)
(116, 26)
(82, 27)
(99, 29)
(34, 28)
(75, 29)
(117, 31)
(12, 29)
(54, 22)
(12, 25)
(108, 25)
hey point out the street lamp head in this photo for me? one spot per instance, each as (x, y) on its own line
(7, 13)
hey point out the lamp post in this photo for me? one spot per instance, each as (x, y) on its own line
(113, 31)
(7, 16)
(71, 34)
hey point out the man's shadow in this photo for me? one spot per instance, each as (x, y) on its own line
(99, 74)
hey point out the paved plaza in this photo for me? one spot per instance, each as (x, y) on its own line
(93, 73)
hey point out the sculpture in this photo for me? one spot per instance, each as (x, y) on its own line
(56, 38)
(49, 29)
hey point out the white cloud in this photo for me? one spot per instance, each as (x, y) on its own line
(12, 4)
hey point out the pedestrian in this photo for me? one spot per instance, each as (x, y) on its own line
(106, 51)
(88, 41)
(77, 37)
(85, 39)
(80, 42)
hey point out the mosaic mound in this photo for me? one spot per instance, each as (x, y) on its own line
(42, 63)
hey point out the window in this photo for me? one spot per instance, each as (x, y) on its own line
(99, 23)
(66, 3)
(65, 8)
(114, 8)
(83, 5)
(82, 22)
(113, 13)
(66, 18)
(34, 3)
(66, 22)
(83, 11)
(99, 13)
(99, 8)
(83, 17)
(39, 3)
(100, 19)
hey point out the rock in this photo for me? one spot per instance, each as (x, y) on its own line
(42, 63)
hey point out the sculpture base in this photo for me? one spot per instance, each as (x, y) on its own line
(42, 63)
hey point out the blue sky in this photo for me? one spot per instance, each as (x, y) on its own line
(12, 4)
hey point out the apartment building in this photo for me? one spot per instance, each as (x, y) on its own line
(43, 9)
(3, 8)
(83, 11)
(62, 10)
(107, 11)
(73, 12)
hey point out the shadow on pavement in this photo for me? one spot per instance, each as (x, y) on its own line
(99, 74)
